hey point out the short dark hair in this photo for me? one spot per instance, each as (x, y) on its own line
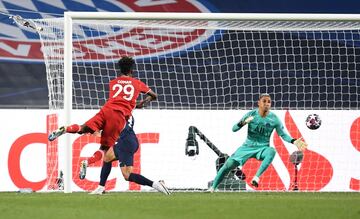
(126, 64)
(264, 95)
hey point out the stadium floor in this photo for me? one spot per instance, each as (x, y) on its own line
(180, 205)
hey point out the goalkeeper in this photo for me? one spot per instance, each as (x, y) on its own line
(261, 123)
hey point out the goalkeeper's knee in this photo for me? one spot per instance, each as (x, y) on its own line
(269, 153)
(231, 164)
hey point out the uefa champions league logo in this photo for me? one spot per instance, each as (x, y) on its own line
(23, 44)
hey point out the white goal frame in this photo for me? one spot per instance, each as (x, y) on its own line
(68, 47)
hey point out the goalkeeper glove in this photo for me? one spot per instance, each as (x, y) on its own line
(300, 144)
(246, 121)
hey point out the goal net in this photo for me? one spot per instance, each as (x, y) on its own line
(204, 68)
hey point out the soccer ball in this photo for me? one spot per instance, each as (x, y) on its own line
(313, 121)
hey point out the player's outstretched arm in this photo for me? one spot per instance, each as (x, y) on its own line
(151, 95)
(299, 143)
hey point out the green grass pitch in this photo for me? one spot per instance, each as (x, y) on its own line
(180, 205)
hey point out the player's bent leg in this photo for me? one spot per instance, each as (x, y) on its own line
(109, 155)
(267, 156)
(74, 128)
(225, 169)
(126, 171)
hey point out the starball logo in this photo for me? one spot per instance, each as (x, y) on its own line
(23, 44)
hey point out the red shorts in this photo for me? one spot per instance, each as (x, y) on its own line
(111, 122)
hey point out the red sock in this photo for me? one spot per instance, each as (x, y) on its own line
(98, 155)
(75, 128)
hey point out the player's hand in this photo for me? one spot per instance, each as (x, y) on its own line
(248, 120)
(300, 144)
(140, 105)
(97, 134)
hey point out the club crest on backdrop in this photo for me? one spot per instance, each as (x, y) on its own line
(23, 44)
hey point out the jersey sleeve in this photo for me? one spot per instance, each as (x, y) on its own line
(236, 127)
(143, 87)
(281, 131)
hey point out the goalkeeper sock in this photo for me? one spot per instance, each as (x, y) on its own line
(98, 155)
(105, 171)
(140, 179)
(75, 128)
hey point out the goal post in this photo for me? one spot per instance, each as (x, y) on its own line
(68, 60)
(212, 16)
(204, 61)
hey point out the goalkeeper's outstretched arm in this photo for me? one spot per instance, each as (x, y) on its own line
(299, 143)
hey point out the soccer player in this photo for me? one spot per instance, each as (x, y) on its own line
(261, 123)
(111, 119)
(124, 150)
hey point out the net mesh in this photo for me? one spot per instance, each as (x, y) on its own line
(304, 65)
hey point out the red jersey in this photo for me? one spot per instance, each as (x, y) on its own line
(124, 91)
